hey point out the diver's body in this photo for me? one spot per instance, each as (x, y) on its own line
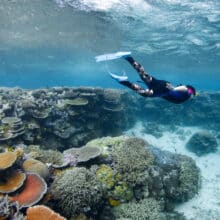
(156, 88)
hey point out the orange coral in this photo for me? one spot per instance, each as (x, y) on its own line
(13, 182)
(7, 159)
(34, 189)
(42, 212)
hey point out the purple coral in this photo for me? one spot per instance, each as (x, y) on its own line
(70, 158)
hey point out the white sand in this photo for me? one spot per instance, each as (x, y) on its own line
(206, 205)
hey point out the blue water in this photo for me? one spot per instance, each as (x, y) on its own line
(48, 43)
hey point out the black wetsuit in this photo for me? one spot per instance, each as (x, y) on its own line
(160, 88)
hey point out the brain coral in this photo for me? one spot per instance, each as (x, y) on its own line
(76, 190)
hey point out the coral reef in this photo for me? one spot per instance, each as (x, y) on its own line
(56, 133)
(131, 159)
(147, 208)
(175, 176)
(45, 156)
(201, 143)
(9, 210)
(115, 190)
(76, 190)
(66, 115)
(11, 127)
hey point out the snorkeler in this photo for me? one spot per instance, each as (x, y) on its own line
(156, 88)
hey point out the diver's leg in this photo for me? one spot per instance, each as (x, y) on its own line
(140, 69)
(137, 88)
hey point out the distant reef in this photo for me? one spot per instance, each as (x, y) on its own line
(62, 117)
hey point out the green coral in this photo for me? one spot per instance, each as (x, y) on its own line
(105, 175)
(122, 192)
(130, 159)
(146, 209)
(77, 191)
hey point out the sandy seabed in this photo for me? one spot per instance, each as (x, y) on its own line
(205, 205)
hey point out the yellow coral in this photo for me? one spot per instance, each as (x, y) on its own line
(114, 202)
(122, 192)
(105, 175)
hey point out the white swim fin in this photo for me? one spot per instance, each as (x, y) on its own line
(119, 78)
(111, 56)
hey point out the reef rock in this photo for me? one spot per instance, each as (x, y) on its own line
(201, 143)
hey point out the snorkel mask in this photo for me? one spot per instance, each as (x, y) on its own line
(191, 90)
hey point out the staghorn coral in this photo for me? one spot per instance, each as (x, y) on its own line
(4, 207)
(148, 209)
(9, 210)
(77, 190)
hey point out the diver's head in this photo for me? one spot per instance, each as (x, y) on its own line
(191, 90)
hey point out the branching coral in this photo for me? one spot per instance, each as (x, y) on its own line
(77, 190)
(148, 209)
(131, 159)
(189, 178)
(45, 156)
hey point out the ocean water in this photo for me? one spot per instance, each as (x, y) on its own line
(53, 42)
(49, 47)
